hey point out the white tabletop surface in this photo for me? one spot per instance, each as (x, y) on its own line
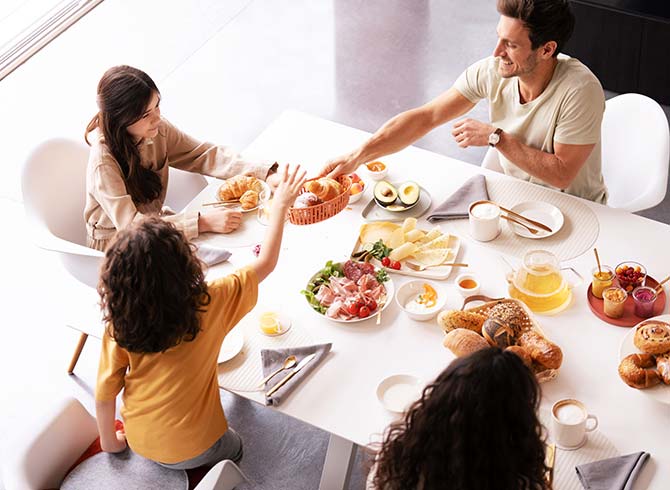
(339, 396)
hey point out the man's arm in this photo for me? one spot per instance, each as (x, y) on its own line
(401, 131)
(558, 169)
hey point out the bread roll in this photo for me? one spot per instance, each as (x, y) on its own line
(498, 333)
(305, 200)
(663, 367)
(463, 342)
(541, 350)
(522, 353)
(324, 188)
(511, 314)
(652, 337)
(637, 371)
(452, 319)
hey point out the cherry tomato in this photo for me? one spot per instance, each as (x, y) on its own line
(353, 308)
(364, 312)
(386, 261)
(371, 304)
(395, 265)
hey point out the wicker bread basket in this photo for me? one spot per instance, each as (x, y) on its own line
(527, 322)
(323, 211)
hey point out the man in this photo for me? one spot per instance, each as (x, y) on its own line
(545, 110)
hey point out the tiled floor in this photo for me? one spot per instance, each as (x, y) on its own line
(226, 70)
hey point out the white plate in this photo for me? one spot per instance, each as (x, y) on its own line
(376, 212)
(543, 212)
(660, 392)
(232, 344)
(263, 196)
(396, 393)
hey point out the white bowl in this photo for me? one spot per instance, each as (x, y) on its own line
(410, 290)
(396, 393)
(465, 292)
(377, 175)
(357, 197)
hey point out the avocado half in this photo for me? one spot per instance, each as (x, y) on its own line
(409, 193)
(385, 193)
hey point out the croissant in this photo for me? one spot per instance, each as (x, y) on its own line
(463, 342)
(249, 199)
(324, 188)
(663, 367)
(637, 371)
(234, 187)
(541, 350)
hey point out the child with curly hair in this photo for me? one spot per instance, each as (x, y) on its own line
(165, 326)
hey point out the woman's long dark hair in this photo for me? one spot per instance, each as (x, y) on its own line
(152, 287)
(474, 428)
(124, 93)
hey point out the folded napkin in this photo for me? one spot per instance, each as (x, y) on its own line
(274, 358)
(212, 255)
(612, 474)
(457, 205)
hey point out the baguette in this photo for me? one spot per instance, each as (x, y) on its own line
(452, 319)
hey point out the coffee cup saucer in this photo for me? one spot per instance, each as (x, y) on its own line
(573, 448)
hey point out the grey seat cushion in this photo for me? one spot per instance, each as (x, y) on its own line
(123, 471)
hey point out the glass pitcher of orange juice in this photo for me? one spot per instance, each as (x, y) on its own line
(540, 284)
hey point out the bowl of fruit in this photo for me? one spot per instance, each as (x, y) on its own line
(630, 275)
(357, 188)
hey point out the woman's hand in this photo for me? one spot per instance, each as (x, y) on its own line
(219, 220)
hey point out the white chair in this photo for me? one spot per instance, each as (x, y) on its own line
(53, 183)
(635, 152)
(40, 456)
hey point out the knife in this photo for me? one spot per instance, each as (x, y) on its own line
(301, 364)
(549, 462)
(531, 221)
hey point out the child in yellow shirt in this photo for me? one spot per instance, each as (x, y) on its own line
(165, 326)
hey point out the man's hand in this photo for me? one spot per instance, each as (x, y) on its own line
(343, 165)
(470, 132)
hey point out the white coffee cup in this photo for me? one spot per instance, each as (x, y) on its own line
(569, 423)
(484, 220)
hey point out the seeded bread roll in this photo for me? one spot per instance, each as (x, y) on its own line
(452, 319)
(463, 342)
(512, 315)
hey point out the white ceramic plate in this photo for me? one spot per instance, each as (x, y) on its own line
(262, 197)
(660, 392)
(396, 393)
(390, 292)
(543, 212)
(232, 344)
(398, 206)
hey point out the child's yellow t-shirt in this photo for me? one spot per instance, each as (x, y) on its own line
(171, 406)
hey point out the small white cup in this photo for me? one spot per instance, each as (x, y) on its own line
(464, 280)
(569, 423)
(484, 220)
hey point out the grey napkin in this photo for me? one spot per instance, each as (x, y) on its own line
(612, 474)
(123, 471)
(212, 255)
(456, 206)
(274, 358)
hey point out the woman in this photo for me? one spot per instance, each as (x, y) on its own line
(132, 149)
(474, 428)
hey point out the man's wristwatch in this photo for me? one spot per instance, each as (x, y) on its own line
(494, 137)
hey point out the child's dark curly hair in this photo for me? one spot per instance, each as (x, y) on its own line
(152, 287)
(474, 428)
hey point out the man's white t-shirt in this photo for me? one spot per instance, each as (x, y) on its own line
(569, 111)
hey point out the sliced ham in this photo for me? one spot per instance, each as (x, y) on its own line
(341, 291)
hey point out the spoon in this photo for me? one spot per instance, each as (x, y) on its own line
(533, 231)
(595, 251)
(289, 362)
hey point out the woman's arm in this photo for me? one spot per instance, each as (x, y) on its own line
(111, 440)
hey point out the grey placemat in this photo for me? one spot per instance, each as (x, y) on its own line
(123, 471)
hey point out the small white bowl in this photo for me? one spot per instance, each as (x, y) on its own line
(465, 292)
(410, 290)
(357, 197)
(379, 175)
(396, 393)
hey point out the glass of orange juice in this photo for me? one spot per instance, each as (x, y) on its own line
(272, 323)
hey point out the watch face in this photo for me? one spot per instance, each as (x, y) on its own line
(494, 138)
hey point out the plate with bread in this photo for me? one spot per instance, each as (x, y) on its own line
(243, 193)
(644, 358)
(505, 323)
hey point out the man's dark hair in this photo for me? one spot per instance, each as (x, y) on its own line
(546, 20)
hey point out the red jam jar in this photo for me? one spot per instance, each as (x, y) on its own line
(644, 298)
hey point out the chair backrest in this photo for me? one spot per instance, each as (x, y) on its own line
(39, 457)
(224, 475)
(635, 152)
(182, 188)
(53, 182)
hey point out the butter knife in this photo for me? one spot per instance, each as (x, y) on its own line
(542, 226)
(550, 457)
(301, 364)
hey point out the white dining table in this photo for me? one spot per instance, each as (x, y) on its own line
(339, 396)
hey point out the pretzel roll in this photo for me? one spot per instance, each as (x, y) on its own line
(463, 342)
(522, 353)
(652, 337)
(324, 188)
(541, 350)
(637, 371)
(452, 319)
(498, 333)
(663, 367)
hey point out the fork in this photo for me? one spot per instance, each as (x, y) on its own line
(531, 230)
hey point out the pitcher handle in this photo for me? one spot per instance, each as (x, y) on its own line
(579, 280)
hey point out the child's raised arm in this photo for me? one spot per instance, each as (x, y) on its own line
(290, 183)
